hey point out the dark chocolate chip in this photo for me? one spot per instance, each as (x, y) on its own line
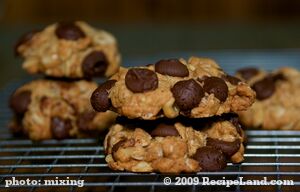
(99, 99)
(216, 86)
(248, 73)
(163, 130)
(24, 39)
(60, 128)
(228, 148)
(141, 80)
(278, 77)
(231, 79)
(16, 127)
(20, 101)
(94, 64)
(264, 88)
(187, 94)
(172, 67)
(234, 119)
(69, 31)
(84, 120)
(210, 158)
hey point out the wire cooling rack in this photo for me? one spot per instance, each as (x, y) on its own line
(274, 155)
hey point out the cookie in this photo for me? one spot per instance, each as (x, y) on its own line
(46, 109)
(174, 145)
(169, 88)
(72, 50)
(277, 103)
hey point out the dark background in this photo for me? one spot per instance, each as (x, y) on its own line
(151, 28)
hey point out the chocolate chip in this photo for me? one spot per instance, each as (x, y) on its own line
(278, 77)
(99, 99)
(20, 101)
(234, 119)
(248, 73)
(84, 120)
(163, 130)
(60, 128)
(264, 88)
(141, 80)
(16, 127)
(228, 148)
(172, 67)
(216, 86)
(94, 64)
(187, 94)
(231, 79)
(69, 31)
(24, 39)
(210, 158)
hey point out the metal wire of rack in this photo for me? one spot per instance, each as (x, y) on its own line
(274, 155)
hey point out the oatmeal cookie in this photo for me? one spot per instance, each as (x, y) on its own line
(195, 88)
(277, 103)
(174, 145)
(46, 109)
(72, 50)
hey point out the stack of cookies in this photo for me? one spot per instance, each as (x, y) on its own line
(69, 55)
(174, 116)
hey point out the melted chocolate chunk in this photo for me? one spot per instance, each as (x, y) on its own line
(84, 120)
(69, 31)
(187, 94)
(100, 99)
(248, 73)
(94, 64)
(172, 67)
(20, 101)
(228, 148)
(60, 128)
(210, 158)
(231, 79)
(16, 127)
(216, 86)
(141, 80)
(163, 130)
(264, 88)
